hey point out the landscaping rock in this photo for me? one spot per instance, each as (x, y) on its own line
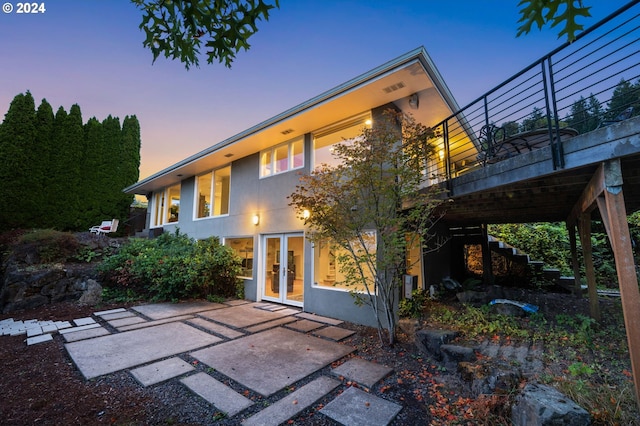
(429, 341)
(454, 354)
(541, 405)
(92, 294)
(29, 287)
(472, 297)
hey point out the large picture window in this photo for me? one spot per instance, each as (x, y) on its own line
(282, 158)
(243, 247)
(212, 193)
(324, 141)
(166, 206)
(327, 269)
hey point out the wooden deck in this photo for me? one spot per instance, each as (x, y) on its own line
(526, 188)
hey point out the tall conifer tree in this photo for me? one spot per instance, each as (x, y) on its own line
(17, 150)
(95, 172)
(41, 163)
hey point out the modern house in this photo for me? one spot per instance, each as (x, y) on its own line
(237, 189)
(557, 142)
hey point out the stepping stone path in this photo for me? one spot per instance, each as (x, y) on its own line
(149, 342)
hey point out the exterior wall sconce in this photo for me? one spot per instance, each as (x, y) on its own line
(306, 214)
(255, 219)
(441, 153)
(414, 101)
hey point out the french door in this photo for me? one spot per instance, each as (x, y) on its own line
(283, 268)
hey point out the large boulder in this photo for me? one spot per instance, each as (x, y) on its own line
(540, 405)
(92, 293)
(429, 341)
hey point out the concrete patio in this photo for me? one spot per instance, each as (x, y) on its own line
(259, 347)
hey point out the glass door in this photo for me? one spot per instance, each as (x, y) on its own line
(283, 271)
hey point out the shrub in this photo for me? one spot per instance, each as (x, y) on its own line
(174, 266)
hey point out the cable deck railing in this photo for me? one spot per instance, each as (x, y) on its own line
(591, 82)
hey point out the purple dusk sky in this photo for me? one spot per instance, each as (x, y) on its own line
(90, 52)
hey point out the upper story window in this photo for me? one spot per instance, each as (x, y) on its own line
(166, 206)
(282, 158)
(325, 140)
(212, 193)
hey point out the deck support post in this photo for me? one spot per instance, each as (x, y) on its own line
(605, 191)
(577, 289)
(487, 265)
(584, 229)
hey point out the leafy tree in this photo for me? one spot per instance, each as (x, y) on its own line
(556, 12)
(17, 150)
(178, 28)
(360, 207)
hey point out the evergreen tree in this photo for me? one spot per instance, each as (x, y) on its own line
(95, 175)
(625, 95)
(56, 186)
(58, 173)
(112, 137)
(17, 150)
(130, 161)
(596, 112)
(579, 118)
(40, 164)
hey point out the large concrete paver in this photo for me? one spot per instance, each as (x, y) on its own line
(242, 316)
(215, 328)
(221, 396)
(355, 407)
(270, 324)
(334, 333)
(271, 360)
(114, 352)
(362, 371)
(145, 324)
(121, 322)
(318, 318)
(160, 371)
(294, 403)
(158, 311)
(85, 334)
(305, 325)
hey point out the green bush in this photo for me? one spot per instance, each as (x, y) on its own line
(174, 266)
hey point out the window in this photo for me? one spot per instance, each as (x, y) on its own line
(325, 140)
(212, 193)
(243, 247)
(327, 269)
(282, 158)
(166, 206)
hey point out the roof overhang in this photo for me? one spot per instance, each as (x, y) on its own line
(392, 82)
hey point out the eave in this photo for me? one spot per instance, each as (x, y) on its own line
(414, 70)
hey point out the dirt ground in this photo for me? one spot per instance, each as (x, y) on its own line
(39, 384)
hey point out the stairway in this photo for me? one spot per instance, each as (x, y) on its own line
(537, 267)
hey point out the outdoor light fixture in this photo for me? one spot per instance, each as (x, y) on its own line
(414, 101)
(306, 214)
(441, 153)
(256, 219)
